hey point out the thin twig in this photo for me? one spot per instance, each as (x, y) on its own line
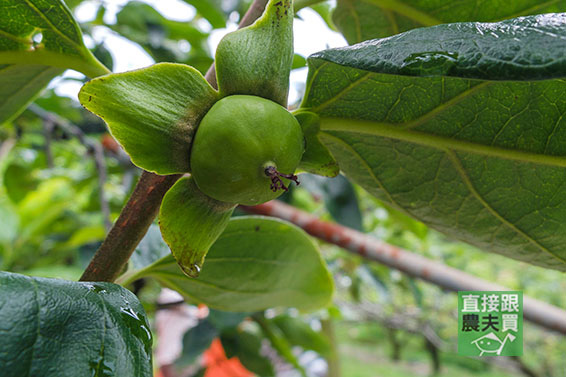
(93, 147)
(541, 313)
(48, 127)
(140, 210)
(6, 147)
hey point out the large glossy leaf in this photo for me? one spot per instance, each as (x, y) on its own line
(360, 20)
(39, 39)
(422, 122)
(57, 328)
(153, 112)
(257, 263)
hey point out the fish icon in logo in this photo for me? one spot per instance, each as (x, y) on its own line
(490, 343)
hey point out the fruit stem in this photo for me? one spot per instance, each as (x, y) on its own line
(276, 182)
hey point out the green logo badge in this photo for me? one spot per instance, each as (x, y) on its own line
(490, 323)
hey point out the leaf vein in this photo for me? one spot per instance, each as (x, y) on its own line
(467, 181)
(55, 29)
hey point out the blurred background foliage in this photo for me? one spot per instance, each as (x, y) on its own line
(55, 209)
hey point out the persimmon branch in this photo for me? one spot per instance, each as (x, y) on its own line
(412, 264)
(143, 205)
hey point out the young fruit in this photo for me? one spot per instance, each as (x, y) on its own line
(245, 150)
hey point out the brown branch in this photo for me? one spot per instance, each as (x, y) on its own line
(142, 207)
(541, 313)
(132, 224)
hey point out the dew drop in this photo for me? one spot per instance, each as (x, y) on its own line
(192, 271)
(37, 38)
(430, 62)
(94, 287)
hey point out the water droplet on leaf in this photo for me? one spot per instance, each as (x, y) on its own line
(192, 271)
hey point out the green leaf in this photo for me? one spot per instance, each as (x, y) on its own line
(211, 10)
(190, 222)
(44, 32)
(153, 112)
(19, 178)
(20, 84)
(299, 61)
(257, 263)
(39, 39)
(158, 35)
(325, 11)
(476, 157)
(85, 235)
(8, 221)
(225, 320)
(299, 333)
(151, 248)
(279, 342)
(257, 59)
(316, 158)
(360, 20)
(339, 198)
(41, 209)
(246, 346)
(195, 341)
(56, 328)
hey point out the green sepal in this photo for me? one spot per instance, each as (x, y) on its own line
(152, 112)
(316, 159)
(257, 60)
(190, 222)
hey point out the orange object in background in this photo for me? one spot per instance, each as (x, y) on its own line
(110, 144)
(217, 365)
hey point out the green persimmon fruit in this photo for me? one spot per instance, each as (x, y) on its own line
(246, 150)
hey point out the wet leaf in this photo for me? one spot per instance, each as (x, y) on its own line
(58, 328)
